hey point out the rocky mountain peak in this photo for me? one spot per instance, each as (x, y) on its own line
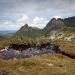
(24, 28)
(54, 24)
(55, 21)
(26, 25)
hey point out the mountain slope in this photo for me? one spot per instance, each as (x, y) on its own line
(70, 22)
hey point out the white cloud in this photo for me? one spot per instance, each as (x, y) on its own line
(57, 17)
(36, 22)
(9, 25)
(39, 22)
(22, 20)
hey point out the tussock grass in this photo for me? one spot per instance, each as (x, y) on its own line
(39, 65)
(23, 40)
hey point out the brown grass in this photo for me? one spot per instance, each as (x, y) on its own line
(39, 65)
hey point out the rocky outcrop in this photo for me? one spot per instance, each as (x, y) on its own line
(24, 51)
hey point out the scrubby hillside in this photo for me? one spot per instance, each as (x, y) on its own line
(67, 34)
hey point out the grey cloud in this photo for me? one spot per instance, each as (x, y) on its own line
(30, 7)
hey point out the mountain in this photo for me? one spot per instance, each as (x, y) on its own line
(61, 29)
(55, 24)
(26, 28)
(70, 22)
(29, 31)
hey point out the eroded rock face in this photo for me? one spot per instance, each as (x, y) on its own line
(55, 24)
(24, 51)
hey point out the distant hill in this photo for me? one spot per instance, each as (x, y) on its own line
(26, 28)
(29, 31)
(6, 34)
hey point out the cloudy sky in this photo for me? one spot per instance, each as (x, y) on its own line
(15, 13)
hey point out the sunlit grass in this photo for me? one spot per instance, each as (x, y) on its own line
(66, 46)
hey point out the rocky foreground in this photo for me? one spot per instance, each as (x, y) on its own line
(24, 51)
